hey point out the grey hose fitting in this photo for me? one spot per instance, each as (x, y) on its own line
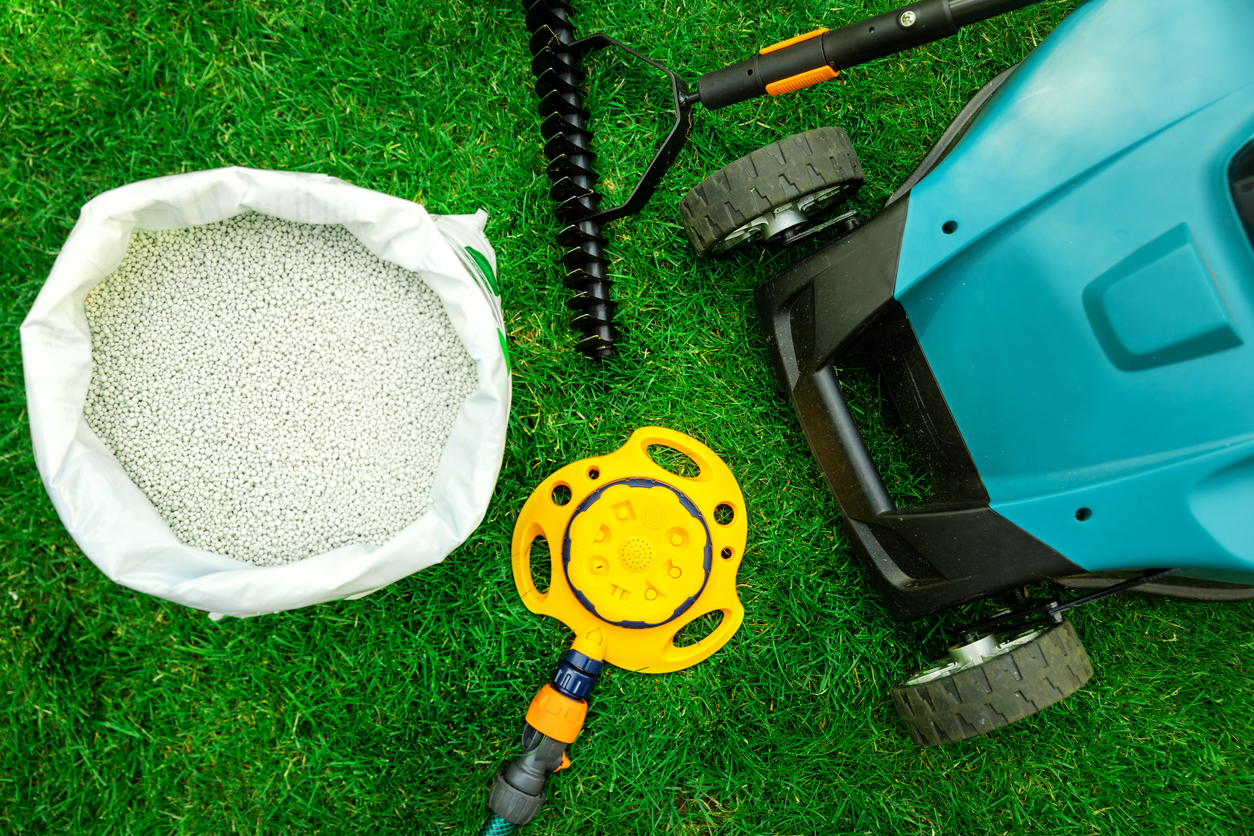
(518, 793)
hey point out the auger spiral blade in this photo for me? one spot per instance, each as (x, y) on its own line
(568, 144)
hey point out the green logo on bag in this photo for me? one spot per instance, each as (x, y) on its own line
(504, 349)
(485, 270)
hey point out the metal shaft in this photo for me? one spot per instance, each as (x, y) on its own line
(819, 55)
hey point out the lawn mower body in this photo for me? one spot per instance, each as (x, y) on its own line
(1061, 301)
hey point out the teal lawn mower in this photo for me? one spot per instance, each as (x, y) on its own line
(1061, 303)
(1060, 300)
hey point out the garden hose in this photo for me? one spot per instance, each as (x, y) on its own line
(497, 826)
(635, 553)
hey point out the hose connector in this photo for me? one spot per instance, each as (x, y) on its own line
(554, 720)
(518, 792)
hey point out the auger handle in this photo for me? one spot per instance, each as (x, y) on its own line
(820, 55)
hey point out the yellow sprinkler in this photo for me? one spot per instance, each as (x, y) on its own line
(635, 553)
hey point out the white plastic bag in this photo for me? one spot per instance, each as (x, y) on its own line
(115, 524)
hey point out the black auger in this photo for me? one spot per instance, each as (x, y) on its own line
(568, 147)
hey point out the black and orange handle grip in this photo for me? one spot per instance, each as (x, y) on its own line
(820, 55)
(803, 79)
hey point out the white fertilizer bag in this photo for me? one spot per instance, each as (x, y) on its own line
(299, 390)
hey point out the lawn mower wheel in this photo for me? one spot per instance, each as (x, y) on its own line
(991, 683)
(773, 193)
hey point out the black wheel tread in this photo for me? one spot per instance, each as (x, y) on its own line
(766, 179)
(997, 693)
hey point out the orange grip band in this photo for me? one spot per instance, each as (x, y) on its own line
(796, 82)
(557, 716)
(807, 36)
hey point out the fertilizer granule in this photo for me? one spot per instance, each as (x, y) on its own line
(276, 390)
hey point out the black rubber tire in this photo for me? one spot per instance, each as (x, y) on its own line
(767, 179)
(996, 693)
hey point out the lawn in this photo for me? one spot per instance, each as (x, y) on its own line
(126, 714)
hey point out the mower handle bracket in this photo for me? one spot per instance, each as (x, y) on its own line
(1049, 610)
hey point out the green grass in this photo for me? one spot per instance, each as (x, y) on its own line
(125, 714)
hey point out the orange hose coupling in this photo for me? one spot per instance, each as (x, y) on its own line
(556, 716)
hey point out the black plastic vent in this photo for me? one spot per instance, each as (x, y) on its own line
(1241, 178)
